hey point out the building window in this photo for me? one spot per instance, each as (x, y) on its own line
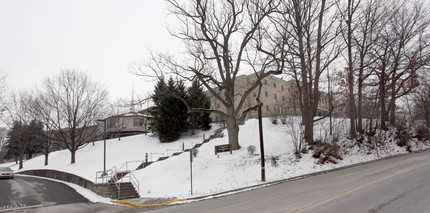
(254, 94)
(276, 97)
(274, 85)
(289, 89)
(265, 81)
(282, 87)
(217, 106)
(137, 122)
(283, 99)
(267, 107)
(267, 94)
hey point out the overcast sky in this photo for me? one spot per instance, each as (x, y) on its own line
(39, 38)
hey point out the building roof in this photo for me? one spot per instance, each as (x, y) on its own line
(129, 114)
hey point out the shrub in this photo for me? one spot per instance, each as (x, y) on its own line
(326, 152)
(251, 149)
(195, 152)
(422, 132)
(274, 161)
(403, 139)
(275, 120)
(283, 119)
(402, 136)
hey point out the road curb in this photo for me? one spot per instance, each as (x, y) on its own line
(129, 203)
(298, 177)
(266, 184)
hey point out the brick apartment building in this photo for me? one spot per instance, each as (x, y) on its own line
(279, 97)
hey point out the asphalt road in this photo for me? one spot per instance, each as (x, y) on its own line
(400, 184)
(25, 192)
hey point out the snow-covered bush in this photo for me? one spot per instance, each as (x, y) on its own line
(326, 152)
(195, 152)
(274, 119)
(274, 161)
(251, 149)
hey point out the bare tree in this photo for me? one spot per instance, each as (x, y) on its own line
(421, 98)
(20, 115)
(402, 49)
(361, 22)
(309, 35)
(348, 15)
(3, 102)
(73, 104)
(364, 39)
(221, 38)
(42, 111)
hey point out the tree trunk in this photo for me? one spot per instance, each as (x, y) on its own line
(46, 159)
(352, 129)
(352, 115)
(359, 104)
(73, 155)
(309, 130)
(392, 108)
(46, 152)
(382, 102)
(21, 161)
(233, 132)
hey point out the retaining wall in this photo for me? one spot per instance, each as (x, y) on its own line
(100, 189)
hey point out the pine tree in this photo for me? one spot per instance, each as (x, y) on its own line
(24, 139)
(198, 99)
(169, 113)
(36, 138)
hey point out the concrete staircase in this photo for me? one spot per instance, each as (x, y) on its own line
(126, 190)
(118, 176)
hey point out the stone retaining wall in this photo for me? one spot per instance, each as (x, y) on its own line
(100, 189)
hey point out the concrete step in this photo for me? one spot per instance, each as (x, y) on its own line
(127, 190)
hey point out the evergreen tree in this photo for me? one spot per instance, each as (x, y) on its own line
(24, 139)
(169, 113)
(36, 138)
(198, 99)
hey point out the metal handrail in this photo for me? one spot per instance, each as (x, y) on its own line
(109, 176)
(129, 162)
(132, 179)
(105, 176)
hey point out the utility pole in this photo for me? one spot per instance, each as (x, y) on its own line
(260, 128)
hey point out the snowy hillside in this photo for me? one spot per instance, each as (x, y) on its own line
(211, 173)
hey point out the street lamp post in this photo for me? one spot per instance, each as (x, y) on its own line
(104, 145)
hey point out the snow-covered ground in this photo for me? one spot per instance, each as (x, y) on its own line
(211, 173)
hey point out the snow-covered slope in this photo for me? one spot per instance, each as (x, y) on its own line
(211, 173)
